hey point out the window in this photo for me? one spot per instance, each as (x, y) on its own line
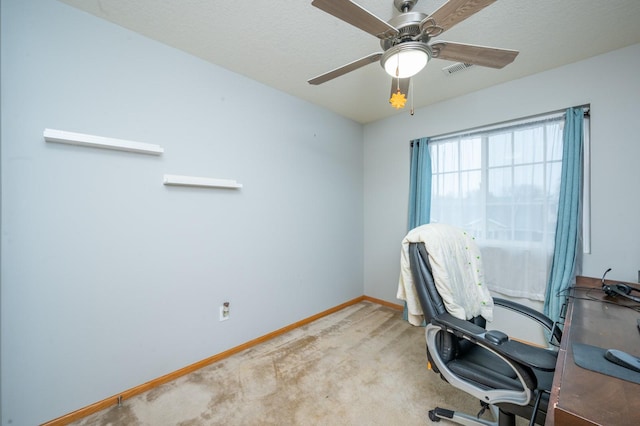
(502, 186)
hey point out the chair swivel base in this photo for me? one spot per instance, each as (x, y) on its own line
(464, 419)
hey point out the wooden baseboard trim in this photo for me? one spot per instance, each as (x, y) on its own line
(117, 399)
(383, 303)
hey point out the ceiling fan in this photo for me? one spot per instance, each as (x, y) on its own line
(406, 40)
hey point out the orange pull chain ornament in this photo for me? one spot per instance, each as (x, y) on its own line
(398, 100)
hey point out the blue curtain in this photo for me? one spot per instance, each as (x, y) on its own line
(419, 184)
(568, 227)
(419, 188)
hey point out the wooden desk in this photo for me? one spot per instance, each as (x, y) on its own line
(585, 397)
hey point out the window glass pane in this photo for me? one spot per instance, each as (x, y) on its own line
(499, 183)
(499, 217)
(471, 154)
(554, 138)
(472, 217)
(435, 149)
(554, 173)
(448, 157)
(449, 185)
(528, 145)
(500, 153)
(528, 222)
(528, 182)
(470, 184)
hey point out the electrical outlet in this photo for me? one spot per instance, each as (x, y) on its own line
(224, 311)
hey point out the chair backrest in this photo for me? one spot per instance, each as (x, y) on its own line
(449, 346)
(430, 300)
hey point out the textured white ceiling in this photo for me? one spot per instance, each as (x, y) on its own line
(283, 43)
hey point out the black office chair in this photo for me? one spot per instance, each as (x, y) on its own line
(509, 378)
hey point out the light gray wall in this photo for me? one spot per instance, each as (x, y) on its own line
(109, 278)
(608, 82)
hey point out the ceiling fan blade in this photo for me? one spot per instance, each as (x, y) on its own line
(357, 16)
(402, 85)
(454, 12)
(374, 57)
(470, 54)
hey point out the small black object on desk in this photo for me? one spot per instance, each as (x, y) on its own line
(623, 359)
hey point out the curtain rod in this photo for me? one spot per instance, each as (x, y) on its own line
(509, 123)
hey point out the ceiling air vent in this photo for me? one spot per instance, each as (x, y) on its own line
(452, 69)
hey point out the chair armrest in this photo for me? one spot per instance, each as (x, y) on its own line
(531, 356)
(526, 311)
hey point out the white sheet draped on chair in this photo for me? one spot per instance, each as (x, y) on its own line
(456, 265)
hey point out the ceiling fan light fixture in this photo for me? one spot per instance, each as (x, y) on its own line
(406, 59)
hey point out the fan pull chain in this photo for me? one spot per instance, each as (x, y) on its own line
(412, 93)
(398, 71)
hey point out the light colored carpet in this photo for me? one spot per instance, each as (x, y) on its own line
(363, 365)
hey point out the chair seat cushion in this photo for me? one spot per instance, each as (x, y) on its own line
(488, 370)
(485, 369)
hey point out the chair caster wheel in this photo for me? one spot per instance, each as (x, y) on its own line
(433, 417)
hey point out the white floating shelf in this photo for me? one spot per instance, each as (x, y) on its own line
(200, 181)
(59, 136)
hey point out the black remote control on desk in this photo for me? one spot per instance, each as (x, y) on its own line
(623, 359)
